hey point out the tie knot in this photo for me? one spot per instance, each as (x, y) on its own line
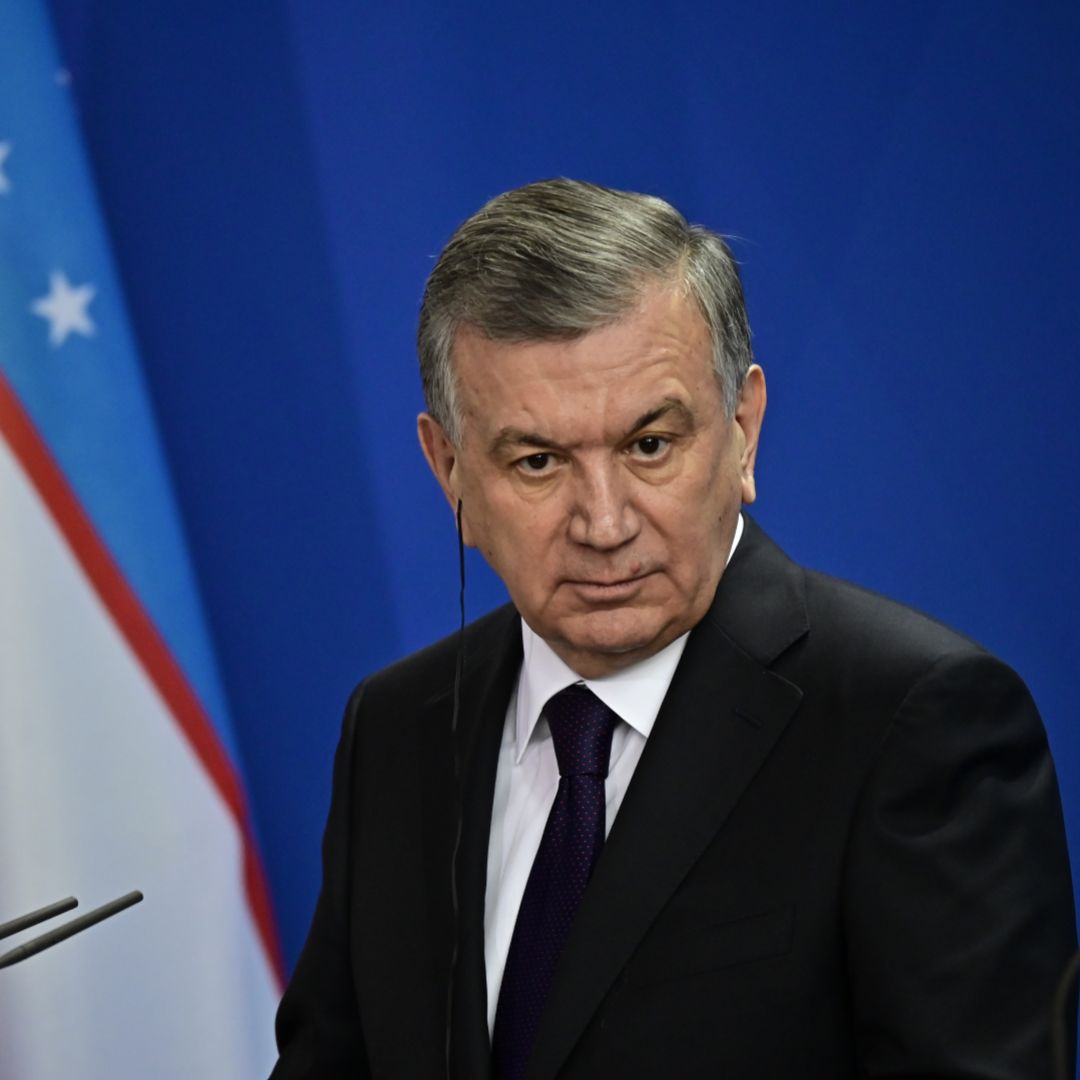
(581, 729)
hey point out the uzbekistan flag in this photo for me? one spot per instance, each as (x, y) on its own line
(117, 768)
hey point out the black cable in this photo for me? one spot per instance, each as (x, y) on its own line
(459, 667)
(1059, 1025)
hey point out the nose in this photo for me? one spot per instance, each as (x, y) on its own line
(603, 515)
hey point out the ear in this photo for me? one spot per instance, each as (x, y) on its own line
(749, 413)
(441, 455)
(444, 458)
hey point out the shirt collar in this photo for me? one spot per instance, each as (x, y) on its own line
(635, 693)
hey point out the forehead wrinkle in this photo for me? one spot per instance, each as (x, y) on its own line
(514, 436)
(511, 436)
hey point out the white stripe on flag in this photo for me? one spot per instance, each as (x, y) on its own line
(100, 793)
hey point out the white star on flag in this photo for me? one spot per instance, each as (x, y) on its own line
(65, 308)
(5, 183)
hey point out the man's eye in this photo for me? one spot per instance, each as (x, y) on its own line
(651, 445)
(535, 463)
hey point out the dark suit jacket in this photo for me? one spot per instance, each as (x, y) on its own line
(842, 854)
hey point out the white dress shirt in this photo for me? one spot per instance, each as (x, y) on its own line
(527, 775)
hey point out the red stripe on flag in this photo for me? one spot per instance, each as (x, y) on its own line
(145, 642)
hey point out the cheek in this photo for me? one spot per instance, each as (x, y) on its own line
(693, 522)
(514, 536)
(687, 515)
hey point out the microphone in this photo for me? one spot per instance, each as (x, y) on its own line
(61, 933)
(24, 922)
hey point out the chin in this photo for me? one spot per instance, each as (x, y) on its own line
(616, 633)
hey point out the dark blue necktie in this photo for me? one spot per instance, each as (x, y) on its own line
(581, 728)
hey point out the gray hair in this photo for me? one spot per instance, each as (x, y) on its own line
(555, 259)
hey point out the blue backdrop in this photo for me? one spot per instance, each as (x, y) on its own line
(902, 181)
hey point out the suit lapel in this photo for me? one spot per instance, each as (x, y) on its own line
(493, 661)
(722, 716)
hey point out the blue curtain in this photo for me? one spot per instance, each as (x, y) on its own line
(901, 181)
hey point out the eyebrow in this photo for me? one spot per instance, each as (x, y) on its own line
(668, 407)
(508, 437)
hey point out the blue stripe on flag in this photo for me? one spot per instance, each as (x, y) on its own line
(67, 349)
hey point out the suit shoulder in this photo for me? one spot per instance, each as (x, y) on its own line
(865, 623)
(887, 674)
(864, 647)
(782, 612)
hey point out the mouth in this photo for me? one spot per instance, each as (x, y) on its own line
(599, 590)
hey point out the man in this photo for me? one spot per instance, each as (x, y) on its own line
(785, 828)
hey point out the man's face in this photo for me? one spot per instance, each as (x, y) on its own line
(601, 478)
